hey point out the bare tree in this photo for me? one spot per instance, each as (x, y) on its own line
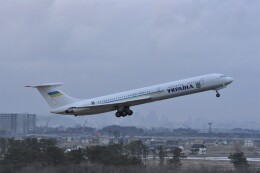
(162, 154)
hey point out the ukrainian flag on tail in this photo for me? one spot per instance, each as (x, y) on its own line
(54, 97)
(55, 94)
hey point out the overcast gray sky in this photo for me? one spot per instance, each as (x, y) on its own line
(100, 47)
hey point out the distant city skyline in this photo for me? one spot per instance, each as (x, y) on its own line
(100, 121)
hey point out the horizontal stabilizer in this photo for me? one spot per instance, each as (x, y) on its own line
(46, 85)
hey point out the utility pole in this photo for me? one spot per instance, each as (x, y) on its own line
(210, 124)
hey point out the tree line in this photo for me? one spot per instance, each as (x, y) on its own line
(21, 153)
(18, 154)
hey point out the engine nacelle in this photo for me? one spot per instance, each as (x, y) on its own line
(70, 111)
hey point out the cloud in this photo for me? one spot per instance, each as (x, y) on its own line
(101, 47)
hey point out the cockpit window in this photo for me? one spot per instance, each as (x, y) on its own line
(222, 76)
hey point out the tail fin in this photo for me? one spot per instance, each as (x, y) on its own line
(54, 97)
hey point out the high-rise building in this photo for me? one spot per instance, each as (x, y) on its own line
(17, 124)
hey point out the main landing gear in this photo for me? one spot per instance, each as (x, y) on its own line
(217, 95)
(122, 112)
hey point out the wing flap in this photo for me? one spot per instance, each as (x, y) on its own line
(127, 102)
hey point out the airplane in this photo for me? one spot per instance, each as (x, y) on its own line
(61, 103)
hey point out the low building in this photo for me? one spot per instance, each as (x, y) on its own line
(158, 142)
(249, 143)
(104, 141)
(198, 149)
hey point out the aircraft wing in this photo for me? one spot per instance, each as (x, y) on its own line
(126, 102)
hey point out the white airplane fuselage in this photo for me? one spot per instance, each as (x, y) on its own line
(124, 100)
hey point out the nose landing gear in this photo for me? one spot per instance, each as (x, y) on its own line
(217, 95)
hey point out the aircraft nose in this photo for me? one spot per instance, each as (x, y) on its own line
(229, 80)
